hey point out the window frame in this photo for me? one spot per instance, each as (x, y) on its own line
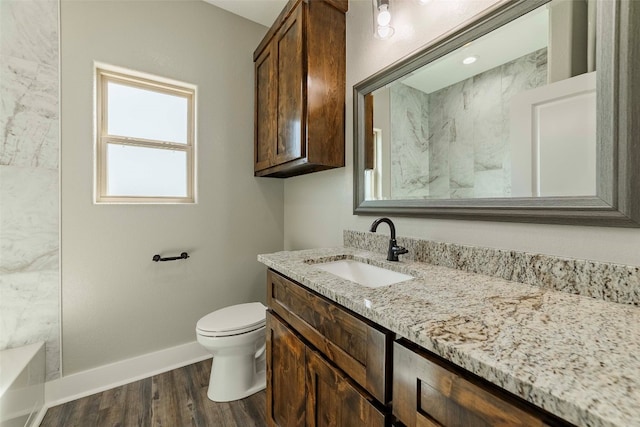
(104, 75)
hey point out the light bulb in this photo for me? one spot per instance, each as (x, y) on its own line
(385, 32)
(384, 17)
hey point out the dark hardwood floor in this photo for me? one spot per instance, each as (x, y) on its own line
(174, 399)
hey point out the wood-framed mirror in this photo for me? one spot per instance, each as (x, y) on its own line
(544, 129)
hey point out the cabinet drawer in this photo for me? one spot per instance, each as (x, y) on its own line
(351, 343)
(430, 392)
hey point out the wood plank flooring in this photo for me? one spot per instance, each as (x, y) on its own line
(174, 399)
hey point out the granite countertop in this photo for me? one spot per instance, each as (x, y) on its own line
(575, 356)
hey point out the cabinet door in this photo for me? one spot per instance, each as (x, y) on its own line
(285, 375)
(265, 108)
(332, 401)
(291, 89)
(427, 392)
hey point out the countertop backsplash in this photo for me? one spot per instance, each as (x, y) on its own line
(601, 280)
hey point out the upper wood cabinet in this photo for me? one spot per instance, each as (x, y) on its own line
(300, 90)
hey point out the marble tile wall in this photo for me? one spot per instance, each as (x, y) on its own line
(469, 143)
(29, 184)
(409, 111)
(606, 281)
(453, 143)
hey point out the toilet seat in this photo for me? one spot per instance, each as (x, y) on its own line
(234, 320)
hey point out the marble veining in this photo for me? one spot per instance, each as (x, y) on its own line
(454, 142)
(29, 185)
(30, 30)
(28, 113)
(410, 148)
(574, 356)
(29, 313)
(605, 281)
(29, 228)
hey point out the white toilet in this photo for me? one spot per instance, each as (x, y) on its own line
(235, 335)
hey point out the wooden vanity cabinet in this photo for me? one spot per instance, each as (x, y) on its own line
(303, 389)
(300, 90)
(355, 345)
(325, 365)
(431, 392)
(328, 366)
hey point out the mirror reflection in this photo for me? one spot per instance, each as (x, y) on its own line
(511, 114)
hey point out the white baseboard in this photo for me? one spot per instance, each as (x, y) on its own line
(105, 377)
(39, 417)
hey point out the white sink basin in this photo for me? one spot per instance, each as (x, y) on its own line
(363, 274)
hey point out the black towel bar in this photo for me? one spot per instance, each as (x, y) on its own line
(183, 255)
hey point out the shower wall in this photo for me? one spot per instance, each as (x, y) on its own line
(454, 143)
(29, 189)
(410, 149)
(469, 145)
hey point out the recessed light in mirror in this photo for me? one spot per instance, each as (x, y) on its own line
(469, 60)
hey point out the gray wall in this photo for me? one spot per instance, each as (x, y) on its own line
(116, 302)
(319, 206)
(29, 190)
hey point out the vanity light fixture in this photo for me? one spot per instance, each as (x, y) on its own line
(382, 28)
(469, 60)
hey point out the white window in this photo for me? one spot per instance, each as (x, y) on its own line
(145, 139)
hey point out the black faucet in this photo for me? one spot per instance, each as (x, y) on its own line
(394, 249)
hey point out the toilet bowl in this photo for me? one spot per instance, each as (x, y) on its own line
(235, 336)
